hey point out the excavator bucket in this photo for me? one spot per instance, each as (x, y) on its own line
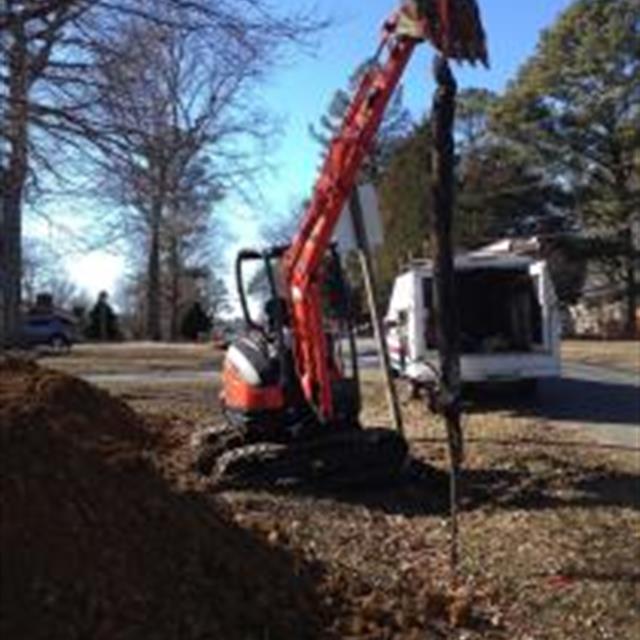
(453, 27)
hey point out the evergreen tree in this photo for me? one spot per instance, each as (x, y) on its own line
(195, 322)
(473, 112)
(575, 107)
(405, 205)
(500, 191)
(103, 322)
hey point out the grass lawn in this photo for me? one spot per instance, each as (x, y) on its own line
(623, 354)
(147, 356)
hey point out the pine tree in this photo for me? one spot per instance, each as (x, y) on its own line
(103, 322)
(574, 106)
(195, 322)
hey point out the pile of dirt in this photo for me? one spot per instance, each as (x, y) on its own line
(94, 543)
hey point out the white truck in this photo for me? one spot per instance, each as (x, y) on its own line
(509, 321)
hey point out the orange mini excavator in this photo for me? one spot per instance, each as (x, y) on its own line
(290, 386)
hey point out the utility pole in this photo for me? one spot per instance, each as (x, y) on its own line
(366, 263)
(445, 302)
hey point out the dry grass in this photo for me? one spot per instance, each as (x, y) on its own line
(623, 355)
(145, 356)
(136, 357)
(550, 527)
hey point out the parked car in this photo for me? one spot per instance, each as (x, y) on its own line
(53, 330)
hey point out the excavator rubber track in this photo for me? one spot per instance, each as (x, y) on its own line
(350, 458)
(209, 443)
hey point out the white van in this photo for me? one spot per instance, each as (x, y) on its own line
(509, 321)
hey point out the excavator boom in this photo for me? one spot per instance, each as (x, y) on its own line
(454, 28)
(337, 179)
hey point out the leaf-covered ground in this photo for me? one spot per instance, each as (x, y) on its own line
(550, 528)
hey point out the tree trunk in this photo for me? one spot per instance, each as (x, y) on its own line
(14, 177)
(174, 271)
(154, 284)
(154, 307)
(445, 302)
(11, 259)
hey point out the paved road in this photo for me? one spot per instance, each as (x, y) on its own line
(152, 377)
(602, 400)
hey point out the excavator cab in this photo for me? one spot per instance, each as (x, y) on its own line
(264, 283)
(261, 384)
(273, 435)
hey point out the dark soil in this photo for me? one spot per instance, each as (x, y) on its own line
(95, 543)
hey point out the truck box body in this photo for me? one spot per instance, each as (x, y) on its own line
(509, 320)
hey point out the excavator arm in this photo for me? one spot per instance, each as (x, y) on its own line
(454, 28)
(337, 179)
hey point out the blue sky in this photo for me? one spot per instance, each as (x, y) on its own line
(299, 93)
(302, 93)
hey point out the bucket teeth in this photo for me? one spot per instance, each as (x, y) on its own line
(453, 27)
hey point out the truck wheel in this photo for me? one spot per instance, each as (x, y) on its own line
(433, 402)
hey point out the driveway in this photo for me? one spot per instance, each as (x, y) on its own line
(153, 377)
(605, 401)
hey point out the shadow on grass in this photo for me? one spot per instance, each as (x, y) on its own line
(566, 400)
(424, 490)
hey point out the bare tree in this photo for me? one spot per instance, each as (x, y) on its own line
(192, 239)
(47, 51)
(41, 274)
(180, 123)
(280, 230)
